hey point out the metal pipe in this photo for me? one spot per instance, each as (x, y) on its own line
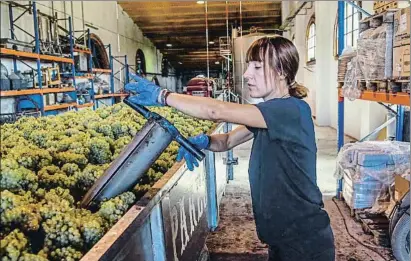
(82, 19)
(292, 15)
(12, 32)
(242, 50)
(208, 61)
(340, 127)
(11, 21)
(353, 4)
(400, 123)
(37, 49)
(72, 15)
(126, 74)
(65, 14)
(377, 130)
(111, 74)
(341, 43)
(25, 11)
(228, 41)
(73, 68)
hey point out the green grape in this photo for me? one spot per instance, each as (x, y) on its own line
(66, 254)
(12, 246)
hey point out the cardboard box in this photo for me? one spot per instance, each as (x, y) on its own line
(402, 186)
(402, 22)
(401, 61)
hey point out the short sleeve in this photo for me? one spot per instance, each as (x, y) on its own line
(252, 129)
(282, 117)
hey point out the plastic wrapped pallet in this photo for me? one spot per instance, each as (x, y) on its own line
(371, 53)
(360, 194)
(368, 169)
(375, 47)
(350, 88)
(374, 58)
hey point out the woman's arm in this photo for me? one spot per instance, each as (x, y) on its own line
(227, 141)
(211, 109)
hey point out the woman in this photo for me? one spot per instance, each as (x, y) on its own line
(287, 203)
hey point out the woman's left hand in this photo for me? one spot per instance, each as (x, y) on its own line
(146, 92)
(201, 141)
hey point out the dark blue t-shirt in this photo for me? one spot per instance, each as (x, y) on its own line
(287, 202)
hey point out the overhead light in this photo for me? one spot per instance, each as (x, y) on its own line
(211, 42)
(180, 63)
(217, 62)
(200, 2)
(169, 45)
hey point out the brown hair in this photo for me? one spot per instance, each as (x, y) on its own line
(281, 55)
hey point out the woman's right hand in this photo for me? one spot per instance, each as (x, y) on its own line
(146, 92)
(201, 141)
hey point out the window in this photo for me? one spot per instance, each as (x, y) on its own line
(352, 18)
(311, 40)
(140, 62)
(351, 22)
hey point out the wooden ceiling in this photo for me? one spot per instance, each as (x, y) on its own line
(183, 24)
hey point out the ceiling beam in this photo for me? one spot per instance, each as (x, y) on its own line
(144, 6)
(182, 25)
(181, 14)
(200, 19)
(196, 31)
(215, 31)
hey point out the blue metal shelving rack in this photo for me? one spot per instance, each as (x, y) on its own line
(385, 98)
(35, 95)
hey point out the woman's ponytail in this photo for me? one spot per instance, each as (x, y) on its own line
(297, 90)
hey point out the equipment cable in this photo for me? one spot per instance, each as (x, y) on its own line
(370, 247)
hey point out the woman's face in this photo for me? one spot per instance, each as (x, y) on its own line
(257, 85)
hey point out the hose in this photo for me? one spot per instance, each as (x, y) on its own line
(369, 247)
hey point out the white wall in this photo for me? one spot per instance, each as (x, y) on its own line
(361, 117)
(115, 27)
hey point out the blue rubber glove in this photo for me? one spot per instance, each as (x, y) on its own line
(201, 142)
(146, 91)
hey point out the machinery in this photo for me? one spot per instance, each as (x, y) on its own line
(241, 45)
(400, 229)
(4, 79)
(200, 86)
(135, 160)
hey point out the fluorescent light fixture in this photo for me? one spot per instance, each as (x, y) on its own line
(200, 2)
(217, 62)
(169, 45)
(211, 42)
(180, 63)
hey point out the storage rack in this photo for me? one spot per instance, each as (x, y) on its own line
(124, 67)
(37, 94)
(21, 56)
(400, 99)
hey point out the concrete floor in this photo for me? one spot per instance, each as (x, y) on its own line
(236, 238)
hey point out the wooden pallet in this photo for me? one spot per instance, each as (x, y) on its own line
(379, 4)
(373, 85)
(384, 6)
(401, 84)
(376, 225)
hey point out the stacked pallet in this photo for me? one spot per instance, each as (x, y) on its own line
(382, 6)
(368, 170)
